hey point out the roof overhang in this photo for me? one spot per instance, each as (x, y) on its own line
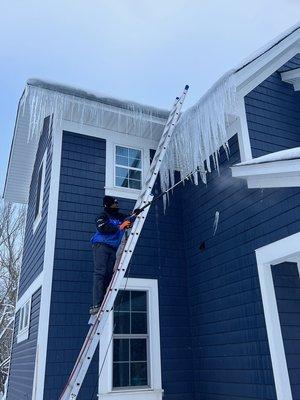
(279, 169)
(24, 145)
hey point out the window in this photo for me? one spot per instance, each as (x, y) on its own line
(129, 352)
(24, 321)
(130, 340)
(128, 167)
(39, 193)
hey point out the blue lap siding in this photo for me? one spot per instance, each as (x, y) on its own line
(229, 339)
(287, 290)
(273, 113)
(34, 242)
(23, 356)
(159, 254)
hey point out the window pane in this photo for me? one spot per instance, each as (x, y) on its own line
(134, 174)
(122, 301)
(136, 154)
(138, 301)
(38, 192)
(138, 322)
(122, 172)
(26, 315)
(136, 163)
(134, 184)
(138, 372)
(121, 322)
(122, 182)
(122, 151)
(21, 319)
(138, 349)
(121, 350)
(122, 160)
(120, 374)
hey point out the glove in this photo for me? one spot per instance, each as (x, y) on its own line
(125, 225)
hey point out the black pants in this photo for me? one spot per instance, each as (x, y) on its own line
(104, 261)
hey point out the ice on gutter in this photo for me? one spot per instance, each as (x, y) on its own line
(283, 155)
(44, 98)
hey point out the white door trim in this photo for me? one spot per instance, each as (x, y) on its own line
(287, 249)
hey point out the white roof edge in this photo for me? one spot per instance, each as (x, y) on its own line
(282, 155)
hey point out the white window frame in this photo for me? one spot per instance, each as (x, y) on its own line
(132, 168)
(110, 187)
(284, 250)
(154, 391)
(23, 329)
(38, 217)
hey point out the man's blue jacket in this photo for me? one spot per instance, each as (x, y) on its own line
(108, 231)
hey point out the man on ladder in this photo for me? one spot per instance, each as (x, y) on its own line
(111, 225)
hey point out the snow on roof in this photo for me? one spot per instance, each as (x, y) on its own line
(98, 97)
(283, 155)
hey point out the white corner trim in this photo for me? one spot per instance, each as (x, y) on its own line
(155, 391)
(292, 77)
(42, 340)
(243, 132)
(284, 173)
(36, 284)
(286, 249)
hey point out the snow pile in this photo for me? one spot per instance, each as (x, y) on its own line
(200, 133)
(283, 155)
(44, 98)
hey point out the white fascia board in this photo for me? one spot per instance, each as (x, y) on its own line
(249, 76)
(292, 77)
(284, 173)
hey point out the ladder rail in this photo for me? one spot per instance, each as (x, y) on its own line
(87, 351)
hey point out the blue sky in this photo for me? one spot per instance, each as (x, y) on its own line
(135, 49)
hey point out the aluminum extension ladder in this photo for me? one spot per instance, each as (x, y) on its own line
(88, 349)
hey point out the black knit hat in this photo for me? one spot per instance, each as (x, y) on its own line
(109, 201)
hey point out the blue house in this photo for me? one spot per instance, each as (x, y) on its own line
(208, 311)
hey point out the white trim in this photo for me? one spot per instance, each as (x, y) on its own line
(155, 391)
(292, 77)
(287, 249)
(23, 332)
(38, 218)
(36, 284)
(42, 339)
(284, 173)
(115, 138)
(243, 132)
(250, 76)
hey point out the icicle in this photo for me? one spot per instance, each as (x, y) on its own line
(42, 99)
(201, 132)
(216, 222)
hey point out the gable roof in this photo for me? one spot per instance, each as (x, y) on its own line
(248, 74)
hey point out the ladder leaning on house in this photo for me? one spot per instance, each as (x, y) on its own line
(88, 349)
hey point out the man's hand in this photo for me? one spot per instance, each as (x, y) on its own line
(125, 225)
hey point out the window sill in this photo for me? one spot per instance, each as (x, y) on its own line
(138, 394)
(23, 335)
(122, 192)
(36, 222)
